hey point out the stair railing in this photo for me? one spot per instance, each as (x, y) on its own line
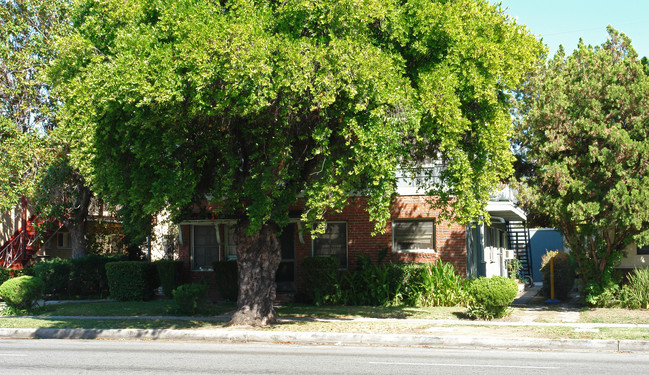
(13, 250)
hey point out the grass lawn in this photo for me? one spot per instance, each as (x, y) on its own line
(615, 315)
(379, 312)
(341, 319)
(106, 323)
(162, 307)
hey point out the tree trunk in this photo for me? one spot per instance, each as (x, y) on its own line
(258, 257)
(76, 223)
(78, 239)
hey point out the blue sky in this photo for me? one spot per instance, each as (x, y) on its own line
(564, 22)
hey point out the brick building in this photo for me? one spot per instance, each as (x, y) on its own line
(414, 233)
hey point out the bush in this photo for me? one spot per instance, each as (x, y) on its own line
(635, 294)
(441, 285)
(321, 281)
(564, 274)
(84, 276)
(170, 273)
(226, 279)
(21, 292)
(55, 274)
(411, 284)
(10, 273)
(491, 296)
(190, 298)
(88, 275)
(131, 280)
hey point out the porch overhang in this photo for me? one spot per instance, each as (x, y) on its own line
(506, 210)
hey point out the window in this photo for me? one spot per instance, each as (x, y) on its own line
(63, 240)
(644, 250)
(205, 248)
(332, 243)
(228, 241)
(409, 235)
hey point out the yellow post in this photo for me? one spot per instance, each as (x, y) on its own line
(552, 278)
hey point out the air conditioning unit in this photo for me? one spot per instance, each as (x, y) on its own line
(509, 254)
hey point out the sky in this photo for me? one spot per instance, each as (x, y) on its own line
(564, 22)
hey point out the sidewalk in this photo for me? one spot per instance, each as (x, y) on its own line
(443, 333)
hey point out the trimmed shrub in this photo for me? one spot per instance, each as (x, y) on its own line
(170, 273)
(10, 273)
(84, 276)
(491, 296)
(190, 298)
(88, 275)
(131, 280)
(321, 280)
(564, 274)
(226, 277)
(21, 292)
(55, 274)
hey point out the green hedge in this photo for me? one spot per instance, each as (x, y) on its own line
(131, 280)
(491, 296)
(81, 277)
(55, 274)
(226, 277)
(21, 292)
(170, 273)
(10, 273)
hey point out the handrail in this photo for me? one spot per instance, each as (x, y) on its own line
(10, 252)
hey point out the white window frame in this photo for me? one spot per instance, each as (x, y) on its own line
(414, 220)
(344, 267)
(227, 242)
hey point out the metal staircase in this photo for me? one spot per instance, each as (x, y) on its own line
(19, 249)
(519, 241)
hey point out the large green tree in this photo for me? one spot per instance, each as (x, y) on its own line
(258, 104)
(34, 150)
(587, 134)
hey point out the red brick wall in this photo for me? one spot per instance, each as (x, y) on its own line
(450, 238)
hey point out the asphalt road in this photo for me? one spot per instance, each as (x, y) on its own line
(160, 357)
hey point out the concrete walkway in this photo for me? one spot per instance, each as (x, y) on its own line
(442, 333)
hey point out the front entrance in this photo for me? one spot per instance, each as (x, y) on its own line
(285, 276)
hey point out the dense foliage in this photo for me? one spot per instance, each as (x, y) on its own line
(10, 273)
(491, 297)
(410, 284)
(21, 292)
(72, 278)
(131, 280)
(320, 277)
(258, 103)
(171, 274)
(564, 274)
(34, 150)
(587, 137)
(190, 298)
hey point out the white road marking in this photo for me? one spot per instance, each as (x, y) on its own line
(13, 355)
(461, 365)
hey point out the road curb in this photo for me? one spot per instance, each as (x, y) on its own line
(329, 338)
